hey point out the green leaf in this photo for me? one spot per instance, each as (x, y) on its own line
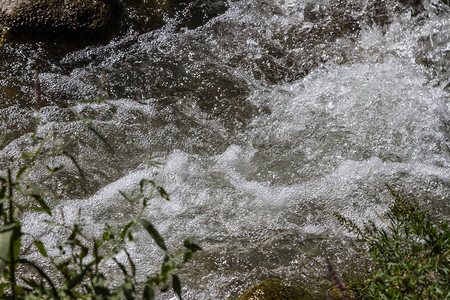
(167, 267)
(100, 286)
(106, 236)
(5, 241)
(121, 266)
(152, 163)
(125, 230)
(160, 189)
(143, 182)
(149, 293)
(79, 116)
(192, 246)
(41, 248)
(154, 280)
(176, 285)
(164, 288)
(35, 284)
(84, 252)
(55, 169)
(101, 137)
(187, 256)
(17, 240)
(27, 154)
(73, 183)
(42, 203)
(95, 250)
(2, 289)
(75, 232)
(130, 261)
(130, 198)
(77, 279)
(63, 267)
(21, 171)
(74, 161)
(3, 187)
(125, 196)
(163, 193)
(154, 234)
(127, 288)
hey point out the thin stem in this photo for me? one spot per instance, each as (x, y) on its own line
(11, 244)
(3, 191)
(42, 273)
(10, 198)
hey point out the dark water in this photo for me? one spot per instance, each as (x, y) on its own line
(269, 118)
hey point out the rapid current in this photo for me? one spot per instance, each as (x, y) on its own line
(268, 118)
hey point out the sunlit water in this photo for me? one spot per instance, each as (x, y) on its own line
(268, 120)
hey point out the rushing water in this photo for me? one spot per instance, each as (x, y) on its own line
(270, 117)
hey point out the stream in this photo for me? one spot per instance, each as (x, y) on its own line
(268, 118)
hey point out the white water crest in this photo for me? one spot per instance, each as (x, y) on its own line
(268, 120)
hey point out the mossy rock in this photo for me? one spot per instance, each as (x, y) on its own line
(335, 294)
(274, 289)
(36, 19)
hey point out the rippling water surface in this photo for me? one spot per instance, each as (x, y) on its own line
(270, 117)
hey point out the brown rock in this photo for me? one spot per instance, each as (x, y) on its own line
(274, 289)
(37, 19)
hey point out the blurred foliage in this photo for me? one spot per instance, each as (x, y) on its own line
(76, 270)
(410, 255)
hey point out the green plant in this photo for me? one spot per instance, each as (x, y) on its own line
(76, 271)
(411, 256)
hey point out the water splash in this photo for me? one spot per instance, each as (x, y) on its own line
(268, 123)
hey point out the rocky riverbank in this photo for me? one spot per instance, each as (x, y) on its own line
(31, 20)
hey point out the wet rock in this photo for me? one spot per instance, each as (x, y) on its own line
(36, 19)
(339, 21)
(272, 289)
(14, 123)
(325, 21)
(431, 52)
(144, 15)
(348, 15)
(379, 13)
(314, 11)
(416, 5)
(200, 12)
(83, 19)
(419, 6)
(341, 13)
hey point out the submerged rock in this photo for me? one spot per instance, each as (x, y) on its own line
(199, 12)
(36, 19)
(274, 289)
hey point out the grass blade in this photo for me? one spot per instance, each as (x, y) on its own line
(41, 248)
(176, 285)
(154, 234)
